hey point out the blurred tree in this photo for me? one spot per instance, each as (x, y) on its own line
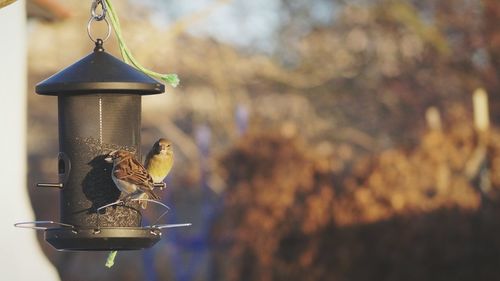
(403, 215)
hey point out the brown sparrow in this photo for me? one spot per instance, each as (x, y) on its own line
(130, 177)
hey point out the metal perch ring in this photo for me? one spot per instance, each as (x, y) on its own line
(34, 224)
(120, 202)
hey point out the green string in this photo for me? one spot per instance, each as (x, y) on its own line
(171, 79)
(110, 261)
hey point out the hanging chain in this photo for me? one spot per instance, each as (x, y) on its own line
(96, 16)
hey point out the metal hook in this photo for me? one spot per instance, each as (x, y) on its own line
(93, 10)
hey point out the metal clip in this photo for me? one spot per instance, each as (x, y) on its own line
(93, 10)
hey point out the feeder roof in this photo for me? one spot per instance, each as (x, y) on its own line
(99, 73)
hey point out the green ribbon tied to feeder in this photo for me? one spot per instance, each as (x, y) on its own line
(108, 9)
(110, 261)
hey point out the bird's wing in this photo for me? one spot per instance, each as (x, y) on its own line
(133, 172)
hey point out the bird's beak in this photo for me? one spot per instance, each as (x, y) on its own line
(163, 149)
(108, 159)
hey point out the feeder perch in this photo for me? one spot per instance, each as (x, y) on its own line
(99, 110)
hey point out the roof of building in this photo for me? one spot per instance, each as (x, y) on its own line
(49, 10)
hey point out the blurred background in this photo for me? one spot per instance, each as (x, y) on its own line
(314, 140)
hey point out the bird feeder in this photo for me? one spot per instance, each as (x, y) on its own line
(99, 111)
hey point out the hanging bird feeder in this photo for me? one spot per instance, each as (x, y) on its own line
(99, 110)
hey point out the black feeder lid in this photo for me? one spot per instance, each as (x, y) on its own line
(98, 73)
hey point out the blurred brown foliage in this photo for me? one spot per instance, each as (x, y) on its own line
(400, 215)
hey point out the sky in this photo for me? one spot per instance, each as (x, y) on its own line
(247, 24)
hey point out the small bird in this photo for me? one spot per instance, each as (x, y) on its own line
(131, 178)
(159, 160)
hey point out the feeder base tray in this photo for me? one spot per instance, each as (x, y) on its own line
(102, 239)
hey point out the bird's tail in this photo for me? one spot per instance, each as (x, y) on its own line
(153, 195)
